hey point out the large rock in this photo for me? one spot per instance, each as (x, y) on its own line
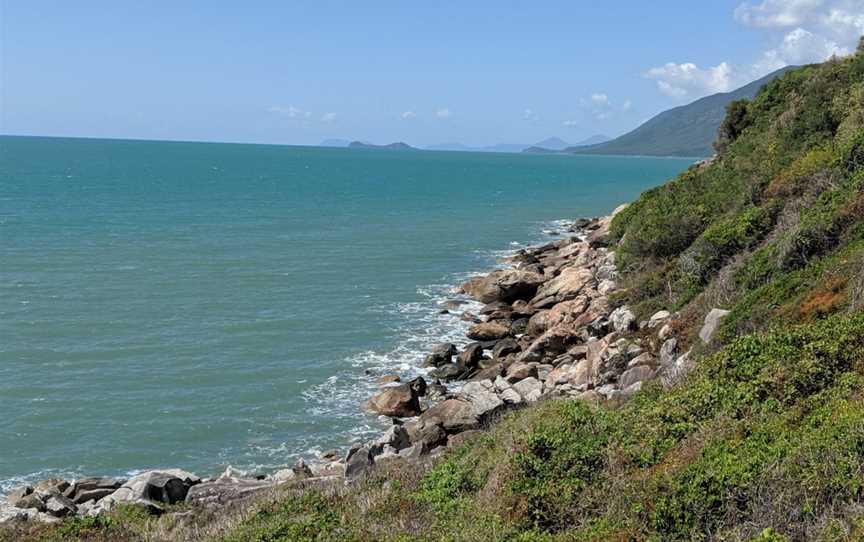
(426, 433)
(440, 355)
(639, 373)
(224, 490)
(668, 352)
(530, 389)
(482, 397)
(166, 486)
(453, 415)
(623, 319)
(59, 506)
(358, 460)
(488, 331)
(503, 285)
(565, 286)
(712, 323)
(400, 401)
(471, 356)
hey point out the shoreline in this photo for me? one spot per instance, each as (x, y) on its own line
(521, 347)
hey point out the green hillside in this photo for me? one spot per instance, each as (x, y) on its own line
(688, 130)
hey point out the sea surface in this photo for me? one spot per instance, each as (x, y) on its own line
(196, 305)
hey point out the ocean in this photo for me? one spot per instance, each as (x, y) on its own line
(195, 305)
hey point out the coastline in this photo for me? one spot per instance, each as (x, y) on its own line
(539, 326)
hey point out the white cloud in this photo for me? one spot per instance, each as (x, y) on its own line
(570, 123)
(813, 31)
(443, 113)
(777, 13)
(290, 112)
(627, 105)
(328, 117)
(600, 99)
(529, 114)
(688, 79)
(798, 47)
(408, 115)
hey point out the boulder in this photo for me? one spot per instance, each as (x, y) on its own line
(488, 331)
(520, 371)
(623, 319)
(658, 317)
(712, 322)
(453, 415)
(388, 379)
(167, 486)
(668, 352)
(530, 389)
(565, 286)
(399, 401)
(426, 434)
(51, 486)
(471, 356)
(634, 375)
(482, 397)
(505, 347)
(31, 500)
(88, 495)
(59, 506)
(224, 490)
(506, 285)
(17, 494)
(358, 460)
(395, 437)
(441, 354)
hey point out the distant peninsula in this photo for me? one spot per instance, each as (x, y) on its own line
(398, 146)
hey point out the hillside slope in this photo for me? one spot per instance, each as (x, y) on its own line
(761, 438)
(688, 130)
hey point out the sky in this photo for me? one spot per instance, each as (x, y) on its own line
(476, 72)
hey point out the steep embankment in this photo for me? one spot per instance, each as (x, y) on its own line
(756, 433)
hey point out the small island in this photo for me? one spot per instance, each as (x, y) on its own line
(398, 146)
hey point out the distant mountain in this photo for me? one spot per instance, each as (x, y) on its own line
(593, 140)
(398, 146)
(334, 143)
(547, 145)
(556, 145)
(552, 143)
(688, 130)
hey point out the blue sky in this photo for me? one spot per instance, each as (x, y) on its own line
(476, 72)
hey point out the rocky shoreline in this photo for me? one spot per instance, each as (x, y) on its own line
(549, 329)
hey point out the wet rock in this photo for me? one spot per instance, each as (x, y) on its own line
(17, 494)
(399, 401)
(503, 285)
(471, 356)
(488, 331)
(388, 379)
(440, 355)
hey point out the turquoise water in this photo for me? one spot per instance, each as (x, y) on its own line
(198, 305)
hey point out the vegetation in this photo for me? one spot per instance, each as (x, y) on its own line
(688, 130)
(764, 439)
